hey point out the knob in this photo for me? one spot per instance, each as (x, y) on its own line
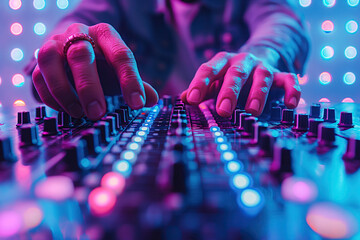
(301, 122)
(40, 113)
(282, 160)
(111, 121)
(117, 120)
(314, 126)
(329, 115)
(29, 135)
(242, 120)
(315, 110)
(236, 116)
(75, 156)
(50, 127)
(6, 150)
(353, 149)
(259, 128)
(287, 116)
(103, 128)
(248, 127)
(275, 114)
(64, 120)
(266, 143)
(346, 120)
(23, 118)
(167, 100)
(326, 134)
(92, 138)
(123, 116)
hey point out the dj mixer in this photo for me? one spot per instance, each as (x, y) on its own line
(175, 171)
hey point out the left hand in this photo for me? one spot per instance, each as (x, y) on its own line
(225, 75)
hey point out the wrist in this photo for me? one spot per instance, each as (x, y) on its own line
(264, 53)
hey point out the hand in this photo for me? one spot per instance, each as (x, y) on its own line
(225, 75)
(55, 90)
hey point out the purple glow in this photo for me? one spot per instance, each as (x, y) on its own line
(10, 223)
(299, 190)
(56, 188)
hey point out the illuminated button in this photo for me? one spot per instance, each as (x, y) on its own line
(251, 198)
(137, 139)
(220, 140)
(327, 52)
(351, 26)
(145, 129)
(39, 28)
(325, 78)
(136, 147)
(305, 3)
(114, 181)
(15, 4)
(329, 3)
(16, 28)
(233, 167)
(62, 4)
(353, 3)
(17, 54)
(123, 167)
(39, 4)
(129, 156)
(228, 156)
(350, 52)
(101, 201)
(223, 147)
(349, 78)
(141, 133)
(218, 134)
(214, 129)
(327, 26)
(240, 181)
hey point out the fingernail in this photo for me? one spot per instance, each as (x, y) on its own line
(194, 96)
(225, 105)
(75, 110)
(94, 110)
(293, 101)
(136, 100)
(255, 105)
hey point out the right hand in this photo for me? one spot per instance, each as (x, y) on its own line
(56, 91)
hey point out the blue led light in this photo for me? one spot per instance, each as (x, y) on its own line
(39, 4)
(123, 167)
(228, 156)
(240, 181)
(214, 129)
(141, 133)
(62, 4)
(325, 78)
(353, 3)
(233, 166)
(349, 78)
(218, 134)
(128, 155)
(85, 163)
(223, 147)
(220, 140)
(327, 52)
(305, 3)
(39, 28)
(134, 146)
(145, 129)
(329, 3)
(17, 54)
(250, 198)
(351, 26)
(350, 52)
(138, 139)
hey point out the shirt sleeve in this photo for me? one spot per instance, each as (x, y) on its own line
(274, 24)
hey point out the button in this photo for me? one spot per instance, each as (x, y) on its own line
(315, 110)
(23, 118)
(326, 134)
(275, 114)
(64, 120)
(117, 120)
(6, 149)
(301, 122)
(248, 127)
(50, 127)
(329, 115)
(167, 100)
(242, 120)
(40, 113)
(111, 121)
(346, 120)
(236, 116)
(123, 115)
(103, 127)
(75, 155)
(259, 127)
(282, 160)
(29, 135)
(92, 138)
(314, 126)
(353, 149)
(266, 143)
(287, 116)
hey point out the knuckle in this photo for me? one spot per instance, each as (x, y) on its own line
(80, 52)
(76, 27)
(222, 54)
(238, 71)
(122, 55)
(47, 53)
(264, 72)
(207, 68)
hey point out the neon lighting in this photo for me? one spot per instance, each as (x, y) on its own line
(18, 80)
(351, 26)
(114, 181)
(36, 53)
(16, 28)
(138, 139)
(220, 139)
(329, 3)
(17, 54)
(134, 146)
(327, 52)
(224, 147)
(101, 201)
(128, 155)
(39, 4)
(325, 78)
(250, 198)
(141, 133)
(233, 166)
(19, 103)
(299, 190)
(350, 52)
(241, 181)
(10, 223)
(62, 4)
(348, 100)
(214, 129)
(218, 134)
(123, 167)
(327, 26)
(228, 156)
(57, 188)
(324, 100)
(353, 3)
(15, 4)
(39, 28)
(305, 3)
(349, 78)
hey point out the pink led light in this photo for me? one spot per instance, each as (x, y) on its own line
(10, 223)
(15, 4)
(303, 80)
(18, 80)
(327, 26)
(58, 188)
(16, 28)
(299, 190)
(114, 181)
(332, 221)
(19, 103)
(101, 201)
(324, 100)
(347, 100)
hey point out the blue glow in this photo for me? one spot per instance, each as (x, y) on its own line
(349, 78)
(351, 26)
(251, 198)
(353, 3)
(241, 181)
(138, 139)
(325, 78)
(141, 133)
(327, 52)
(233, 167)
(39, 28)
(39, 4)
(123, 167)
(145, 129)
(134, 146)
(228, 156)
(305, 3)
(214, 129)
(62, 4)
(350, 52)
(85, 163)
(224, 147)
(220, 140)
(128, 155)
(218, 134)
(17, 54)
(329, 3)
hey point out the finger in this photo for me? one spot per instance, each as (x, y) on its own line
(262, 81)
(151, 95)
(81, 59)
(43, 90)
(235, 77)
(183, 96)
(51, 65)
(122, 59)
(290, 83)
(205, 75)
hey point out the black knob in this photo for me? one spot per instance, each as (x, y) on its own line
(179, 177)
(92, 138)
(315, 110)
(242, 120)
(40, 113)
(259, 127)
(103, 127)
(353, 149)
(23, 118)
(346, 120)
(167, 100)
(266, 143)
(236, 116)
(326, 134)
(6, 149)
(282, 160)
(287, 116)
(50, 127)
(314, 127)
(249, 127)
(329, 115)
(301, 122)
(64, 120)
(117, 120)
(75, 156)
(123, 115)
(29, 135)
(275, 114)
(111, 121)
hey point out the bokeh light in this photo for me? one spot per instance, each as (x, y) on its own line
(19, 103)
(349, 78)
(233, 167)
(327, 26)
(329, 3)
(353, 3)
(15, 4)
(123, 167)
(114, 181)
(0, 80)
(324, 100)
(10, 223)
(351, 26)
(62, 4)
(305, 3)
(32, 217)
(57, 188)
(16, 28)
(18, 80)
(350, 52)
(348, 100)
(327, 52)
(101, 201)
(240, 181)
(39, 4)
(36, 53)
(17, 54)
(325, 78)
(300, 190)
(250, 198)
(39, 28)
